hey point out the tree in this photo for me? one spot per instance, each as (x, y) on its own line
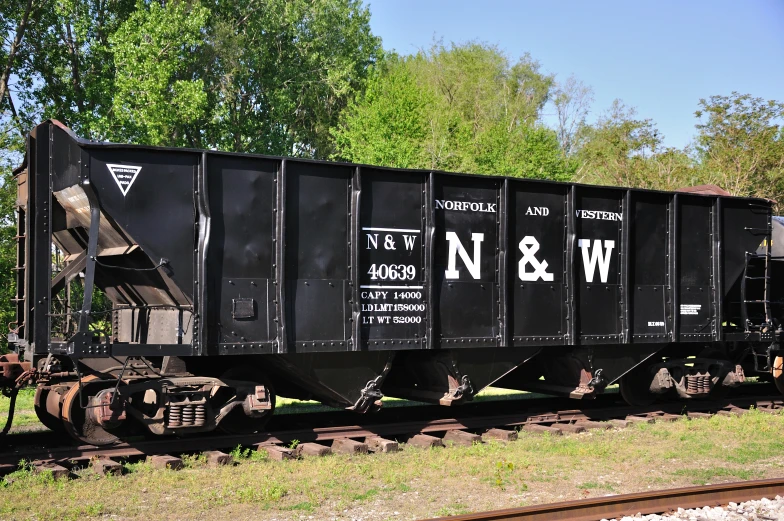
(278, 73)
(740, 142)
(157, 98)
(620, 150)
(463, 108)
(68, 72)
(13, 23)
(241, 75)
(388, 126)
(572, 101)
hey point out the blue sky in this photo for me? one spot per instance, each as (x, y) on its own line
(660, 57)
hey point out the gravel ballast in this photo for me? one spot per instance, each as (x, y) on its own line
(763, 509)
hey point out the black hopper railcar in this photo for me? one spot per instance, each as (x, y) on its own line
(178, 291)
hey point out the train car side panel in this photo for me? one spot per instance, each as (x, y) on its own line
(538, 273)
(466, 251)
(649, 266)
(392, 274)
(318, 203)
(240, 301)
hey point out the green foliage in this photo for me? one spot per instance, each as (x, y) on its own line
(621, 150)
(231, 75)
(464, 108)
(68, 71)
(156, 95)
(502, 473)
(740, 143)
(277, 76)
(739, 147)
(240, 454)
(389, 125)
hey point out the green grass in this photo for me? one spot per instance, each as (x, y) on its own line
(593, 485)
(24, 413)
(415, 482)
(703, 476)
(454, 509)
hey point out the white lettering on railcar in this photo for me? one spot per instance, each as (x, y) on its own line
(390, 282)
(538, 210)
(465, 206)
(124, 175)
(655, 323)
(529, 246)
(690, 309)
(389, 240)
(599, 254)
(602, 216)
(456, 247)
(371, 295)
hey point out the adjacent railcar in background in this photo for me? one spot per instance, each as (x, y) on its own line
(180, 290)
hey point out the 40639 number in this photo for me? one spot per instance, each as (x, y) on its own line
(392, 272)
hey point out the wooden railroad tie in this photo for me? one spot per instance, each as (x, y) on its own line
(587, 424)
(278, 453)
(542, 429)
(349, 446)
(105, 466)
(313, 449)
(378, 444)
(641, 419)
(216, 458)
(425, 441)
(571, 428)
(58, 471)
(500, 435)
(462, 438)
(165, 461)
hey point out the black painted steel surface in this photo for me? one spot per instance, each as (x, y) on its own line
(208, 253)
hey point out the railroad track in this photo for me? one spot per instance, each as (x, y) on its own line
(657, 502)
(468, 428)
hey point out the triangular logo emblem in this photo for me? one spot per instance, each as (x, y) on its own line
(124, 175)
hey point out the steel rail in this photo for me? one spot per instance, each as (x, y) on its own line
(657, 502)
(9, 460)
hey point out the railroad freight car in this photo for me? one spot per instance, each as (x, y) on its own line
(177, 291)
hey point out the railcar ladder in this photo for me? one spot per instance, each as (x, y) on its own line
(755, 291)
(755, 306)
(20, 267)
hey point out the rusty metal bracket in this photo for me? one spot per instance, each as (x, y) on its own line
(369, 395)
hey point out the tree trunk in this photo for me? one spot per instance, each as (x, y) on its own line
(15, 44)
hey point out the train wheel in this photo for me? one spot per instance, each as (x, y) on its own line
(778, 373)
(80, 425)
(236, 421)
(47, 407)
(635, 387)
